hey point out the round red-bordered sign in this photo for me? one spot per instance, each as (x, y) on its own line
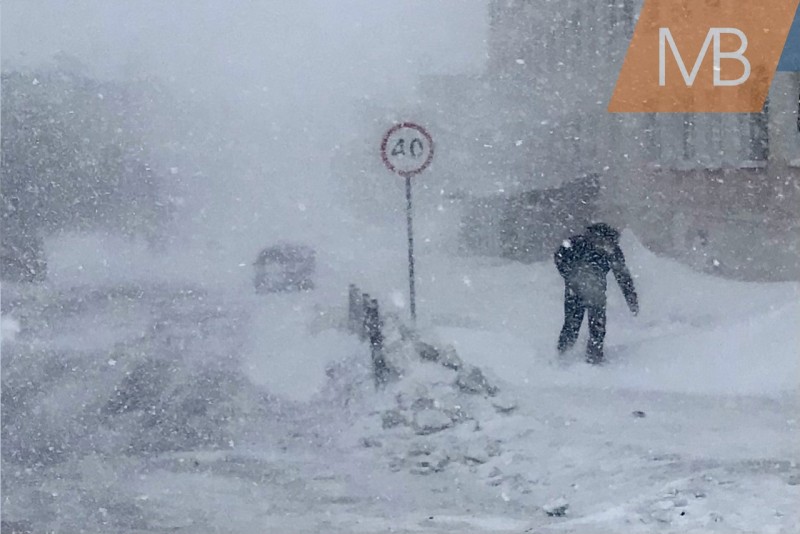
(407, 149)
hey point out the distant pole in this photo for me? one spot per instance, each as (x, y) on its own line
(409, 222)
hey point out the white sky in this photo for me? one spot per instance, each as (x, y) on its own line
(299, 66)
(304, 52)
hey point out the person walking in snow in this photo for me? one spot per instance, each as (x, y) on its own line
(584, 261)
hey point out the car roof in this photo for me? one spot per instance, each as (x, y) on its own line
(285, 252)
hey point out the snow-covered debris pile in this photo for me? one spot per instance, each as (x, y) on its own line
(158, 409)
(177, 391)
(166, 387)
(432, 413)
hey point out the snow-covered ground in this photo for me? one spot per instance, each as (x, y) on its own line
(137, 398)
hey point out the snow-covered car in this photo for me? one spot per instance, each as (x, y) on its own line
(285, 267)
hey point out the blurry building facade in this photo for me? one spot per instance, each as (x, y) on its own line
(719, 191)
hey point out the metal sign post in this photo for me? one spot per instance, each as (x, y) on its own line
(410, 225)
(407, 150)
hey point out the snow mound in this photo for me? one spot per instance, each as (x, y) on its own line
(695, 334)
(432, 414)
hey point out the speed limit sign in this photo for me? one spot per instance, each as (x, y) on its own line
(407, 149)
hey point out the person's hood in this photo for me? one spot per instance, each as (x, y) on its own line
(603, 230)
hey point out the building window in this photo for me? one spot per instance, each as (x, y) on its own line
(688, 137)
(717, 146)
(591, 18)
(612, 17)
(577, 46)
(759, 135)
(628, 16)
(495, 11)
(795, 157)
(574, 140)
(652, 138)
(551, 53)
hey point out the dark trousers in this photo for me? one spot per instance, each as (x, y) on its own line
(574, 308)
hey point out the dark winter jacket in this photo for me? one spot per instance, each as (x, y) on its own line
(584, 262)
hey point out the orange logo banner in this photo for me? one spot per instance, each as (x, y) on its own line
(703, 56)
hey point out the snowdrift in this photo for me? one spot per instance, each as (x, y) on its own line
(695, 333)
(118, 390)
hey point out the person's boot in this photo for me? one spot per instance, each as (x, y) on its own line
(594, 355)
